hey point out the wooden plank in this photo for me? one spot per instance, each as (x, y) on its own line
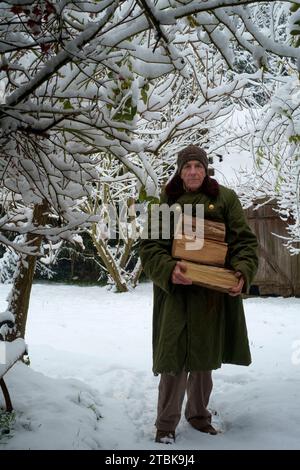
(212, 230)
(212, 252)
(219, 279)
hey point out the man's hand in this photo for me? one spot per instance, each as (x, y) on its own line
(178, 276)
(234, 291)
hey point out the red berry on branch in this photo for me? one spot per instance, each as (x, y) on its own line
(45, 48)
(31, 23)
(37, 11)
(50, 8)
(17, 9)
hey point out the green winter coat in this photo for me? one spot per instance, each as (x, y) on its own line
(195, 328)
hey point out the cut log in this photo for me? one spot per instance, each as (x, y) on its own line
(220, 279)
(212, 252)
(192, 226)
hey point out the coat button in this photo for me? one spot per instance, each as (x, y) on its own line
(211, 207)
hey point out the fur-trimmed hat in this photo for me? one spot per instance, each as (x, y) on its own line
(192, 152)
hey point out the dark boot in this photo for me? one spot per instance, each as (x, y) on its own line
(202, 426)
(165, 437)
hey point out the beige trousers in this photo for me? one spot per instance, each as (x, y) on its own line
(171, 391)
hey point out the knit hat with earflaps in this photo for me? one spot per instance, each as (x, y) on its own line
(192, 152)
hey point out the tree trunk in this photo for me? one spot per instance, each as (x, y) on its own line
(108, 261)
(20, 295)
(136, 273)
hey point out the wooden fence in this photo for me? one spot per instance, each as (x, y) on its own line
(279, 272)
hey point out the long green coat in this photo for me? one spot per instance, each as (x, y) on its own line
(195, 328)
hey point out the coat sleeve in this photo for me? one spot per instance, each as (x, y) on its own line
(242, 243)
(157, 263)
(156, 258)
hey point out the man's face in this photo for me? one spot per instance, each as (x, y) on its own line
(192, 174)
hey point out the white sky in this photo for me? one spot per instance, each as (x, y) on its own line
(90, 352)
(227, 172)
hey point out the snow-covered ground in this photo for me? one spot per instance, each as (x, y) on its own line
(90, 384)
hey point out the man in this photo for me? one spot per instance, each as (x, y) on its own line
(196, 329)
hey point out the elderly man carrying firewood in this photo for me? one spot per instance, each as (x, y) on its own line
(196, 328)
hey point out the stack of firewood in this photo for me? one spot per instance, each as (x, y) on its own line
(201, 245)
